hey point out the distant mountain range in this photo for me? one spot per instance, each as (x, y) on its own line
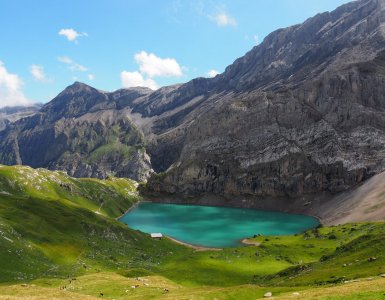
(12, 114)
(301, 114)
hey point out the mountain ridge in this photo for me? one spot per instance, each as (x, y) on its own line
(300, 114)
(280, 108)
(79, 131)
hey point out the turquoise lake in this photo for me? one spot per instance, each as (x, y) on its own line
(213, 226)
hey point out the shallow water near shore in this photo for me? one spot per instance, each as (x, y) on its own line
(209, 226)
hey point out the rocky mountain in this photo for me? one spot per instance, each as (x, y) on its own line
(302, 113)
(12, 114)
(83, 131)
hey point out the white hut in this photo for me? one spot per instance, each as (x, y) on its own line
(157, 235)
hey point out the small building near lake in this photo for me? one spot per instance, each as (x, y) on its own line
(156, 235)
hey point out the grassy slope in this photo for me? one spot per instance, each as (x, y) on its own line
(109, 197)
(330, 255)
(114, 286)
(53, 226)
(316, 257)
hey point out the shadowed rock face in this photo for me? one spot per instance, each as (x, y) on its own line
(301, 113)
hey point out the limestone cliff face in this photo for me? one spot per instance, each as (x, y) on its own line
(301, 114)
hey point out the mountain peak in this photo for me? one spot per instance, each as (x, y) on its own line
(77, 87)
(352, 33)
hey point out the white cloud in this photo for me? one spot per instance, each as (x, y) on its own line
(222, 19)
(91, 77)
(154, 66)
(65, 60)
(150, 66)
(73, 66)
(71, 34)
(218, 13)
(134, 79)
(11, 89)
(37, 72)
(256, 39)
(212, 73)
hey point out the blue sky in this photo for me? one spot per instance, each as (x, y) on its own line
(109, 44)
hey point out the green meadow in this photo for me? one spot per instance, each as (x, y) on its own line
(60, 238)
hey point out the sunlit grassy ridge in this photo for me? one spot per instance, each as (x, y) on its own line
(54, 225)
(54, 228)
(110, 197)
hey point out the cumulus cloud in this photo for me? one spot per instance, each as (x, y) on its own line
(212, 73)
(222, 19)
(11, 89)
(37, 72)
(91, 77)
(71, 34)
(150, 66)
(135, 79)
(154, 66)
(73, 66)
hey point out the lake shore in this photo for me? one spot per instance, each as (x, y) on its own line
(306, 205)
(250, 243)
(245, 242)
(196, 248)
(133, 206)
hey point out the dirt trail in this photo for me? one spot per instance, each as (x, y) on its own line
(197, 248)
